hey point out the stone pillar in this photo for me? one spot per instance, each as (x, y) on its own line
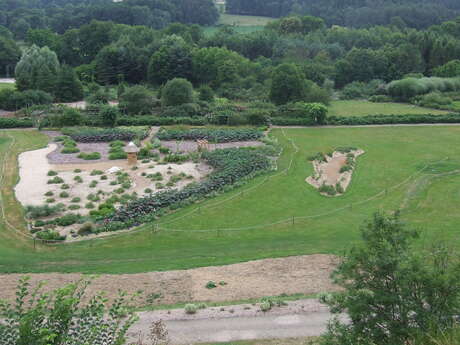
(132, 158)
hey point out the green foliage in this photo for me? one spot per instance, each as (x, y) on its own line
(94, 135)
(287, 85)
(68, 219)
(448, 70)
(60, 316)
(176, 92)
(14, 100)
(388, 287)
(211, 134)
(211, 285)
(68, 87)
(6, 122)
(34, 212)
(109, 116)
(55, 180)
(206, 94)
(137, 100)
(172, 60)
(89, 156)
(37, 70)
(406, 89)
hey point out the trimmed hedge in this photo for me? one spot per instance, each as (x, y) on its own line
(93, 135)
(392, 119)
(7, 122)
(213, 135)
(160, 121)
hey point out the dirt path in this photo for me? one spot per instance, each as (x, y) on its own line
(307, 274)
(302, 318)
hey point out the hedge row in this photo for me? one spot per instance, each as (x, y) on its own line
(161, 121)
(231, 167)
(94, 135)
(6, 122)
(219, 135)
(392, 119)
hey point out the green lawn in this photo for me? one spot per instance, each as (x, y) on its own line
(393, 155)
(361, 108)
(6, 86)
(241, 24)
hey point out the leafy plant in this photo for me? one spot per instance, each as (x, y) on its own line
(89, 156)
(191, 308)
(212, 135)
(55, 180)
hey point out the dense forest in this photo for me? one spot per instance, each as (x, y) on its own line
(60, 15)
(354, 13)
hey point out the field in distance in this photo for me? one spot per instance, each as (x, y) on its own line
(241, 24)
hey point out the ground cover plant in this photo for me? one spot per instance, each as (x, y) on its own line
(390, 177)
(219, 135)
(92, 135)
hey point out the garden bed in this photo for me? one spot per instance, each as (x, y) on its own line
(333, 171)
(192, 146)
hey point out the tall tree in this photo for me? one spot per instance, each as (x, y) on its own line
(68, 87)
(288, 84)
(37, 69)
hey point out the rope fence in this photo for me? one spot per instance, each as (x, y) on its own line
(160, 227)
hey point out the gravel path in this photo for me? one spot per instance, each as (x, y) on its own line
(301, 318)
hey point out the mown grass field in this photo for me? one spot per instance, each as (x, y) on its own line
(362, 108)
(6, 86)
(241, 24)
(393, 162)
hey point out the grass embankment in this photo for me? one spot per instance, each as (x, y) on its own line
(393, 155)
(362, 108)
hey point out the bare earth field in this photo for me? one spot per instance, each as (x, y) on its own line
(308, 274)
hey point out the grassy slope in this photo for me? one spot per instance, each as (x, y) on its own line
(361, 108)
(392, 155)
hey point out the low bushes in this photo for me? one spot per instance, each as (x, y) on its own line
(13, 100)
(386, 119)
(231, 167)
(34, 212)
(93, 135)
(213, 135)
(6, 122)
(161, 121)
(89, 156)
(406, 89)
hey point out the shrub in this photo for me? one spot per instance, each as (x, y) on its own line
(49, 193)
(93, 184)
(52, 173)
(74, 207)
(68, 219)
(75, 200)
(13, 100)
(78, 179)
(213, 135)
(118, 155)
(191, 308)
(55, 180)
(137, 100)
(148, 191)
(90, 156)
(96, 172)
(379, 99)
(34, 212)
(94, 135)
(206, 94)
(86, 229)
(265, 306)
(6, 122)
(64, 195)
(329, 190)
(50, 235)
(109, 116)
(65, 186)
(406, 89)
(89, 205)
(176, 92)
(210, 285)
(77, 171)
(70, 150)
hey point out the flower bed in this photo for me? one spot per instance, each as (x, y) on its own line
(95, 135)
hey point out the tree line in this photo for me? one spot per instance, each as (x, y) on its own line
(354, 13)
(58, 15)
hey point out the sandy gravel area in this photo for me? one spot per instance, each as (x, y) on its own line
(192, 146)
(56, 157)
(4, 113)
(33, 170)
(255, 279)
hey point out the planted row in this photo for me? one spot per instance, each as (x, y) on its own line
(230, 166)
(93, 135)
(212, 135)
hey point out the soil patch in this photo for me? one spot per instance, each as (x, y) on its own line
(307, 274)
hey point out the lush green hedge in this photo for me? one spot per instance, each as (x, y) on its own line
(231, 167)
(392, 119)
(6, 122)
(160, 121)
(221, 135)
(93, 135)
